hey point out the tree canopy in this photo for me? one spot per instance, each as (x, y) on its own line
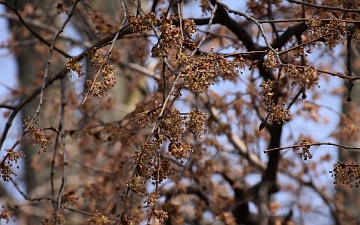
(180, 112)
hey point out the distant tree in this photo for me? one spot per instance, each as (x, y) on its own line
(183, 114)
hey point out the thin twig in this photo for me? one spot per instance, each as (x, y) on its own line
(62, 125)
(44, 86)
(305, 43)
(257, 24)
(108, 53)
(327, 72)
(313, 144)
(271, 17)
(91, 167)
(62, 115)
(207, 29)
(333, 205)
(156, 186)
(52, 170)
(303, 20)
(100, 68)
(87, 213)
(245, 53)
(333, 8)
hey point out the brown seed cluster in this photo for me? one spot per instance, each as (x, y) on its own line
(332, 31)
(37, 135)
(99, 88)
(171, 36)
(277, 112)
(305, 153)
(5, 168)
(201, 72)
(75, 66)
(346, 174)
(141, 25)
(306, 76)
(271, 61)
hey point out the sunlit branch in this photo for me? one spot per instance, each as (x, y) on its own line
(163, 69)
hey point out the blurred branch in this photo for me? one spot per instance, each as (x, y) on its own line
(7, 106)
(51, 80)
(35, 23)
(333, 207)
(36, 34)
(238, 143)
(144, 70)
(26, 197)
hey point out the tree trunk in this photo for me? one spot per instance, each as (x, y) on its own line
(350, 194)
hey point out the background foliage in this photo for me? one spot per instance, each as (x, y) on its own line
(181, 112)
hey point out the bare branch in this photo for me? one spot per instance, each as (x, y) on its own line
(324, 6)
